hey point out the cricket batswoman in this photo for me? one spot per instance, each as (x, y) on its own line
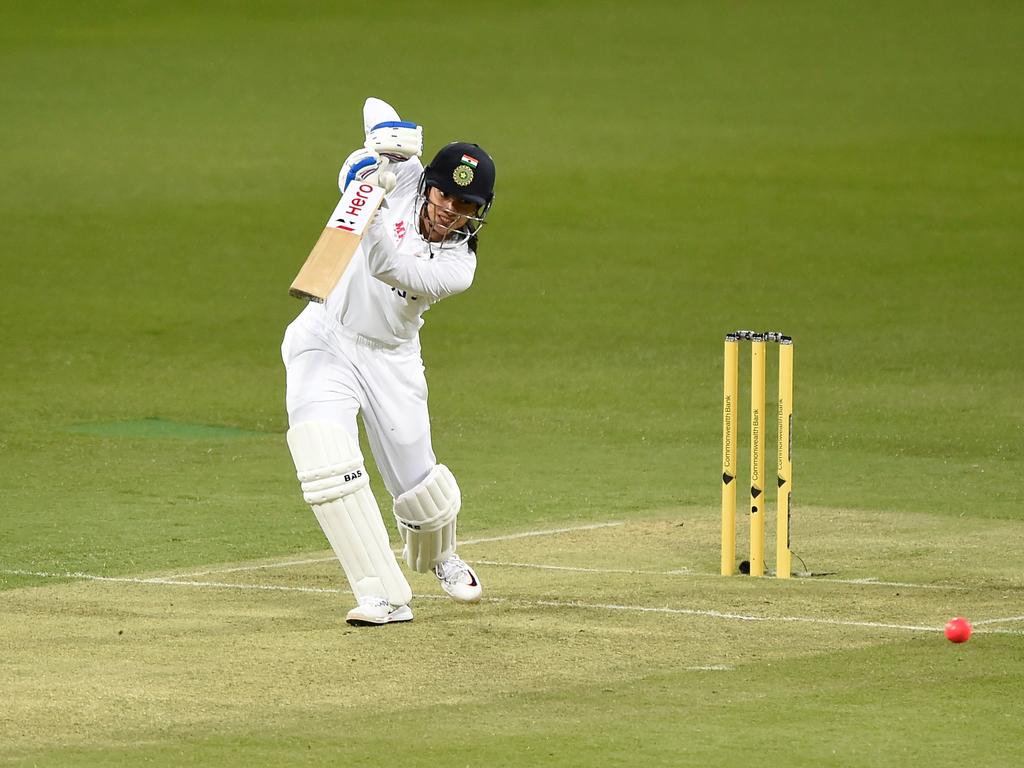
(358, 354)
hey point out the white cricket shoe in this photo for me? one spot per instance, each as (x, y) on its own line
(377, 610)
(458, 579)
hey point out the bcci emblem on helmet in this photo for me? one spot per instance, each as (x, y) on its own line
(463, 175)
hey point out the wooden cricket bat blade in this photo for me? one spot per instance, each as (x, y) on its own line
(332, 253)
(325, 264)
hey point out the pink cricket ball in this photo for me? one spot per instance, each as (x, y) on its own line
(958, 630)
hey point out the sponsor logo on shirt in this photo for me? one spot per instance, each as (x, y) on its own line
(404, 294)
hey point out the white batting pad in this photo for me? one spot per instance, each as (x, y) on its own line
(426, 517)
(334, 482)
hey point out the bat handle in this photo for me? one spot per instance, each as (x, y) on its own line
(385, 178)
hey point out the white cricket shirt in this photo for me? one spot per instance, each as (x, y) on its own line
(393, 277)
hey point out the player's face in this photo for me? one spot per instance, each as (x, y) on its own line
(445, 214)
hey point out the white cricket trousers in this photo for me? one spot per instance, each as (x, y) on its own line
(334, 374)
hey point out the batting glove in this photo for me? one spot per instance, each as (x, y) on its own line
(364, 165)
(396, 140)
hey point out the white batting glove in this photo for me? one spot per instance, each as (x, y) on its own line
(384, 178)
(396, 140)
(377, 111)
(364, 165)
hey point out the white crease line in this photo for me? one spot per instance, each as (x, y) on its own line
(467, 542)
(578, 569)
(711, 668)
(237, 569)
(168, 581)
(741, 617)
(711, 614)
(1006, 620)
(870, 582)
(547, 532)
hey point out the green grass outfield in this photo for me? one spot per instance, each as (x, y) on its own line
(852, 173)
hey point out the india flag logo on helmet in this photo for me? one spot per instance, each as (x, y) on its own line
(463, 173)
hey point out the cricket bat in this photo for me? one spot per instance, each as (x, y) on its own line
(332, 253)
